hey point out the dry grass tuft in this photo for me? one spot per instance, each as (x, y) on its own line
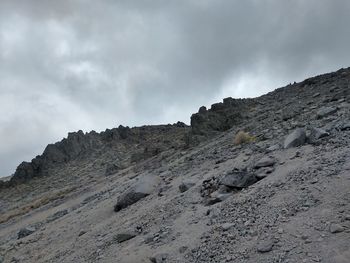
(34, 204)
(243, 137)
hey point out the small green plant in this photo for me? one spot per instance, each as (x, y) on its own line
(243, 137)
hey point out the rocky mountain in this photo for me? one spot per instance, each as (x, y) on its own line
(250, 180)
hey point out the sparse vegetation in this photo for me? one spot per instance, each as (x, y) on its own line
(34, 204)
(243, 137)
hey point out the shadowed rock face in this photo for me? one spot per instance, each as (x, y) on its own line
(125, 144)
(221, 116)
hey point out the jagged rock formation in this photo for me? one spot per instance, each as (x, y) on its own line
(127, 145)
(272, 199)
(221, 116)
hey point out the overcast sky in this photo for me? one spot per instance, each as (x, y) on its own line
(90, 65)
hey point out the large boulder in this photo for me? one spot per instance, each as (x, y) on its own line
(295, 139)
(144, 187)
(325, 111)
(238, 179)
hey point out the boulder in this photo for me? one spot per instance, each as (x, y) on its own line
(265, 162)
(144, 187)
(26, 231)
(265, 246)
(111, 169)
(295, 139)
(184, 186)
(238, 179)
(159, 258)
(125, 236)
(325, 111)
(316, 134)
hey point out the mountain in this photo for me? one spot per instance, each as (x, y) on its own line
(250, 180)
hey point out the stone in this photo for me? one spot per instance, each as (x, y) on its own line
(227, 226)
(26, 231)
(295, 139)
(184, 186)
(325, 111)
(144, 187)
(159, 258)
(316, 134)
(111, 169)
(122, 237)
(273, 148)
(265, 162)
(57, 215)
(238, 179)
(265, 246)
(336, 228)
(345, 126)
(183, 249)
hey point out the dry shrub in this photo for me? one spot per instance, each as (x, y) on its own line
(243, 137)
(34, 204)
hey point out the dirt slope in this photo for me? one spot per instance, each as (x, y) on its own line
(207, 199)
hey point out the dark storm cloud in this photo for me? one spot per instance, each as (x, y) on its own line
(69, 65)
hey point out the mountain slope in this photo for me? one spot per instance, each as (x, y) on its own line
(200, 197)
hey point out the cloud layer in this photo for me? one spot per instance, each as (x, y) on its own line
(70, 65)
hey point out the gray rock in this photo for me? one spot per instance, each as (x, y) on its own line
(273, 148)
(345, 126)
(238, 179)
(184, 186)
(325, 111)
(217, 198)
(265, 162)
(227, 226)
(160, 258)
(144, 187)
(316, 134)
(336, 228)
(111, 169)
(57, 215)
(265, 246)
(295, 139)
(122, 237)
(263, 172)
(26, 231)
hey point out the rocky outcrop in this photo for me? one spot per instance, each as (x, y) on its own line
(221, 116)
(124, 143)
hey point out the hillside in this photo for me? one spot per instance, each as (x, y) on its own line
(178, 193)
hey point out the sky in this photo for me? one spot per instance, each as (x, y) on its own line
(69, 65)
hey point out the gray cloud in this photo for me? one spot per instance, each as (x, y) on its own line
(69, 65)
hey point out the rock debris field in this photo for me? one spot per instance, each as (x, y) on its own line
(262, 180)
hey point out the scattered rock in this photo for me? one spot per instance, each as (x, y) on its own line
(122, 237)
(144, 187)
(265, 162)
(160, 258)
(238, 179)
(183, 249)
(325, 111)
(82, 233)
(295, 139)
(23, 232)
(273, 148)
(265, 246)
(184, 186)
(111, 169)
(227, 226)
(57, 215)
(336, 228)
(316, 134)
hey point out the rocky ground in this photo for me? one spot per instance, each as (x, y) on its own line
(175, 193)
